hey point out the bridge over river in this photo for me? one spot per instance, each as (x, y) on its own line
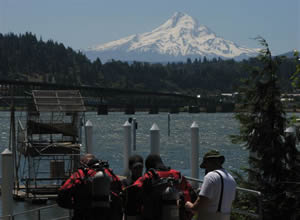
(102, 99)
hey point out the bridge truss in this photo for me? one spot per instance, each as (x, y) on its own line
(97, 96)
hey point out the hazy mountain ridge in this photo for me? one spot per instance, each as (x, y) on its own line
(179, 38)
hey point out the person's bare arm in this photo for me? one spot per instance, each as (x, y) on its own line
(201, 202)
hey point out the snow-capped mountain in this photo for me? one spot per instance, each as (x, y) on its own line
(179, 38)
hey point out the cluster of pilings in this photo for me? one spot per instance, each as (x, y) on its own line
(130, 139)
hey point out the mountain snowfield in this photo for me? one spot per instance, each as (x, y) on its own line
(179, 38)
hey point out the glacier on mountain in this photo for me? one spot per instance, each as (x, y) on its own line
(179, 38)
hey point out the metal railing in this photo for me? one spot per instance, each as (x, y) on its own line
(37, 213)
(257, 215)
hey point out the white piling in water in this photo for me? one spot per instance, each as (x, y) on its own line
(154, 139)
(89, 137)
(195, 153)
(127, 146)
(7, 182)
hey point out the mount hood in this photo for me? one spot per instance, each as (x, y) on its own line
(179, 38)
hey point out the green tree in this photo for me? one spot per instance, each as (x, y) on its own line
(295, 77)
(272, 161)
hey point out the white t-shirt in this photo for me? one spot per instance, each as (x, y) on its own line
(211, 188)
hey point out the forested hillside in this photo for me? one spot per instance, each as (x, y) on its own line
(24, 57)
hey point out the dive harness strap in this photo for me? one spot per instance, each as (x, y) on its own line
(222, 188)
(101, 201)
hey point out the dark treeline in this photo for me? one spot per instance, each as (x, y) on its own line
(24, 57)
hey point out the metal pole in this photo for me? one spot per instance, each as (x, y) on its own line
(89, 137)
(12, 138)
(81, 123)
(195, 153)
(134, 133)
(127, 146)
(39, 214)
(154, 139)
(7, 182)
(260, 210)
(169, 119)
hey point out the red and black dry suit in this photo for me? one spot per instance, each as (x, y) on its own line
(75, 194)
(146, 204)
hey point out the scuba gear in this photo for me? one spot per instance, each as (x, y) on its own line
(98, 184)
(99, 188)
(103, 186)
(158, 191)
(95, 164)
(170, 196)
(92, 192)
(147, 193)
(161, 195)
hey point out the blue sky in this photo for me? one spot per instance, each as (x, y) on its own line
(80, 24)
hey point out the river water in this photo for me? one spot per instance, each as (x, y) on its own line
(108, 132)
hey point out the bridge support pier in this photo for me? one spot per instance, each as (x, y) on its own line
(227, 107)
(130, 110)
(194, 109)
(153, 110)
(211, 108)
(102, 110)
(174, 110)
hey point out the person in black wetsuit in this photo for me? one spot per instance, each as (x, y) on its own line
(92, 192)
(136, 166)
(150, 191)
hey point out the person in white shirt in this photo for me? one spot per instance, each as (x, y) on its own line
(217, 191)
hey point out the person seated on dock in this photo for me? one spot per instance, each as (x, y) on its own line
(157, 192)
(217, 191)
(92, 191)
